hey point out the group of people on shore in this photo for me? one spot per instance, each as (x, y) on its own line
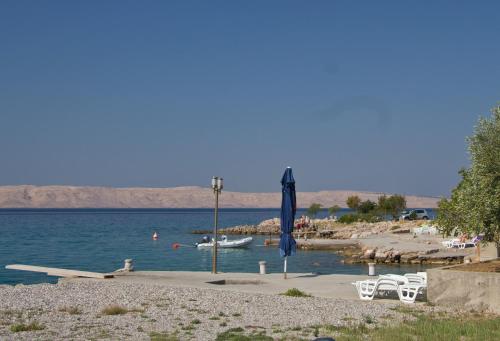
(303, 222)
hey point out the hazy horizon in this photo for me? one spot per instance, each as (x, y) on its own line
(224, 190)
(375, 97)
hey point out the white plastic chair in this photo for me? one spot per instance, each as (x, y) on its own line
(423, 274)
(400, 279)
(451, 243)
(408, 292)
(407, 287)
(416, 279)
(367, 289)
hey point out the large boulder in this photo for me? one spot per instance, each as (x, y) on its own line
(381, 256)
(369, 253)
(270, 222)
(395, 256)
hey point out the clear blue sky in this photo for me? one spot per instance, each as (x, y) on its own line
(374, 95)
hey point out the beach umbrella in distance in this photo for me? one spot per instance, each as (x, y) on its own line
(288, 209)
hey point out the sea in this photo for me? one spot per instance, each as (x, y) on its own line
(101, 239)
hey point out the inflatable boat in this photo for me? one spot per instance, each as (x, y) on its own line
(227, 244)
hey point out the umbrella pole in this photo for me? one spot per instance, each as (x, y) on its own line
(285, 268)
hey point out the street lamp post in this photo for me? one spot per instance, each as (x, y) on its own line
(217, 185)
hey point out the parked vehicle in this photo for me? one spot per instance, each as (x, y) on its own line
(418, 213)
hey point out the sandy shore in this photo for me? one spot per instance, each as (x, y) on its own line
(73, 309)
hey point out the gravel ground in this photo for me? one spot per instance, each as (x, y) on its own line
(189, 313)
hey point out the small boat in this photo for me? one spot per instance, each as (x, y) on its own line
(155, 236)
(226, 244)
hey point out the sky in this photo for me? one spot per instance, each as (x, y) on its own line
(359, 95)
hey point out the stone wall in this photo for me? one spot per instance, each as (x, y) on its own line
(464, 289)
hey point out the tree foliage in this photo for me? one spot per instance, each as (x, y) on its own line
(334, 209)
(367, 206)
(392, 205)
(474, 205)
(353, 202)
(313, 210)
(382, 203)
(350, 218)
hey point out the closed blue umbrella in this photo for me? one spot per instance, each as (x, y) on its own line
(288, 245)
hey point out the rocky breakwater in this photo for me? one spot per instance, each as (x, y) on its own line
(266, 227)
(398, 244)
(400, 255)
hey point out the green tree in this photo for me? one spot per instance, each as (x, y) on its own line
(474, 205)
(395, 204)
(353, 202)
(382, 204)
(366, 206)
(313, 210)
(392, 205)
(334, 209)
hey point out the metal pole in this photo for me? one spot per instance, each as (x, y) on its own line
(214, 249)
(285, 268)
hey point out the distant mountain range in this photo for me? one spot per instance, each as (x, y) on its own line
(177, 197)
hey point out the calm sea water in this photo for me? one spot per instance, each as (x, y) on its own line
(100, 240)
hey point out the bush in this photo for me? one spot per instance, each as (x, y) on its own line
(236, 334)
(355, 217)
(334, 209)
(313, 210)
(70, 310)
(155, 336)
(294, 292)
(391, 205)
(353, 202)
(114, 310)
(348, 218)
(21, 327)
(367, 206)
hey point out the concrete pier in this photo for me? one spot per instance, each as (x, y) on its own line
(332, 286)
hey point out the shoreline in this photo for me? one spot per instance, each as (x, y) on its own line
(387, 242)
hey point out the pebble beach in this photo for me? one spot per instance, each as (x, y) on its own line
(80, 310)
